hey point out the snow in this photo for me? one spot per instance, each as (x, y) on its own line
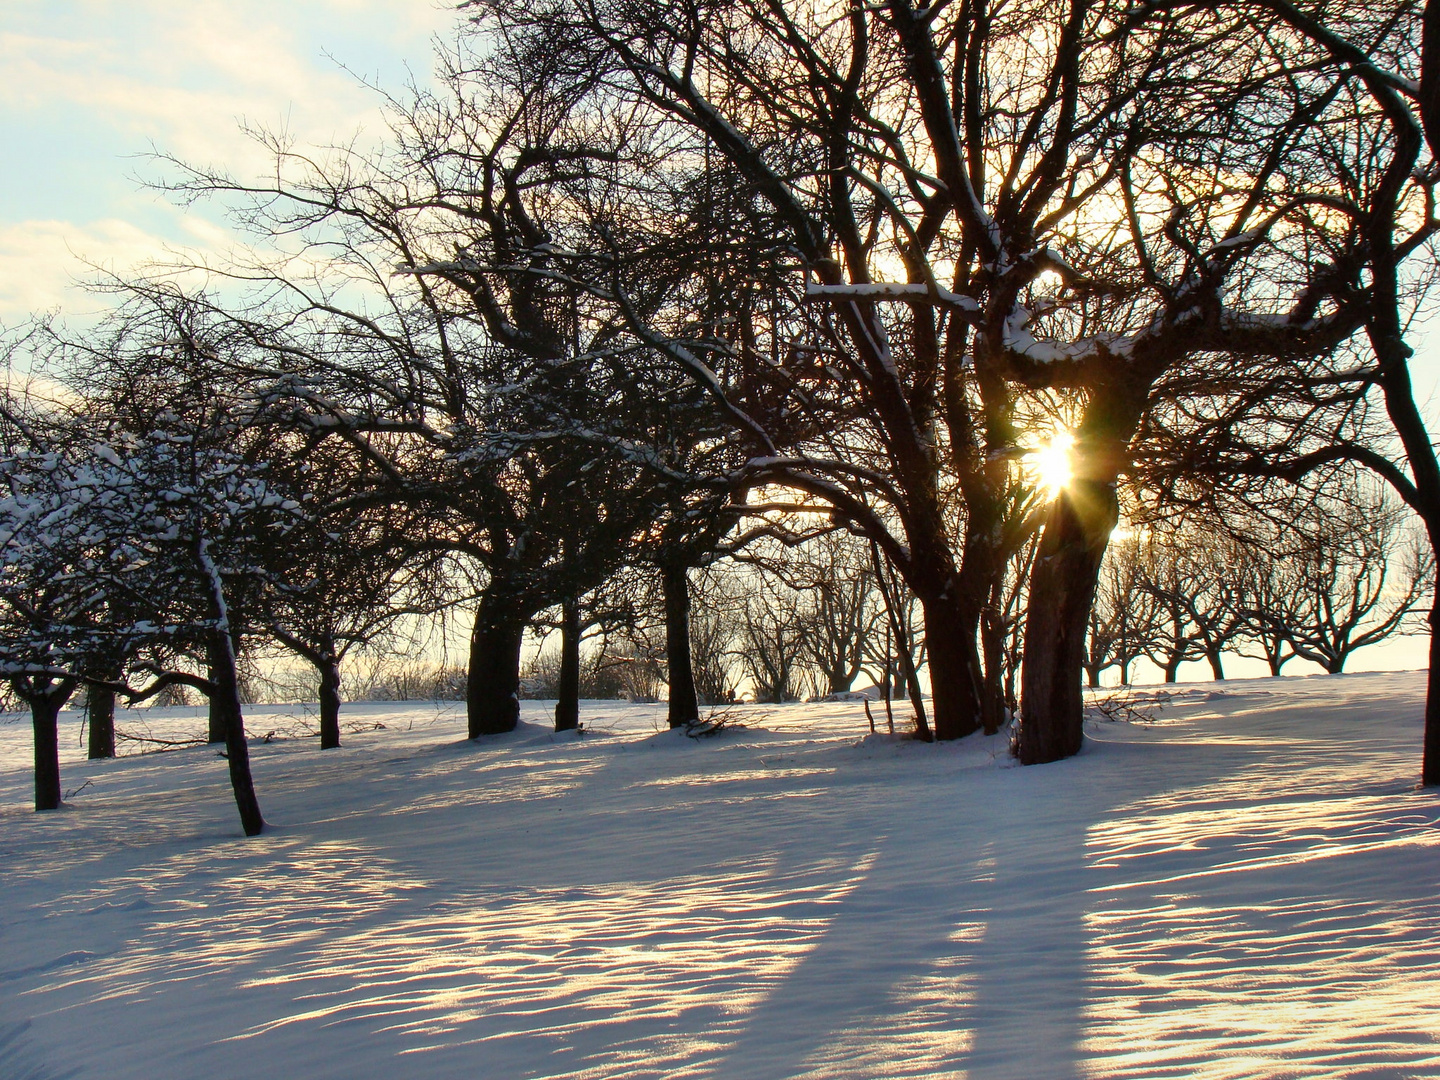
(891, 290)
(1247, 887)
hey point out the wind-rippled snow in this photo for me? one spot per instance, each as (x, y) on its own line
(1249, 887)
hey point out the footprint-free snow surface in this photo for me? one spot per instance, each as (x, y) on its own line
(1249, 886)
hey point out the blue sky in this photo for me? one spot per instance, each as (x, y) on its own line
(88, 87)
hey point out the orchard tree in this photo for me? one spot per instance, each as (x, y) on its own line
(921, 215)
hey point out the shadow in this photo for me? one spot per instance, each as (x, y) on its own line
(19, 1059)
(759, 905)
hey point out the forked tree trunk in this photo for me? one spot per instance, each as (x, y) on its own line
(567, 708)
(225, 691)
(100, 716)
(329, 668)
(1062, 588)
(684, 706)
(492, 692)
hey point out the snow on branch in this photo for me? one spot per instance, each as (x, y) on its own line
(905, 292)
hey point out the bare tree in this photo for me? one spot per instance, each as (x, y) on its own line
(1355, 582)
(982, 159)
(1124, 619)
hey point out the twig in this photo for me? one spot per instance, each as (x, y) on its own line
(71, 794)
(161, 744)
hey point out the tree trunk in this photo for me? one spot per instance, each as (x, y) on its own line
(956, 684)
(1335, 665)
(684, 706)
(492, 693)
(567, 709)
(329, 668)
(226, 694)
(1430, 76)
(1172, 671)
(100, 715)
(45, 720)
(1217, 665)
(1092, 676)
(220, 718)
(1062, 588)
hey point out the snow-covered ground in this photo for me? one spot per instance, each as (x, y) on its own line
(1248, 887)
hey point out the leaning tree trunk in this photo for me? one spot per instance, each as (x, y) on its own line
(492, 692)
(1062, 590)
(100, 716)
(221, 718)
(684, 707)
(1217, 664)
(567, 708)
(225, 691)
(329, 668)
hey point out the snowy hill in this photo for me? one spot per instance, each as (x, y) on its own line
(1247, 887)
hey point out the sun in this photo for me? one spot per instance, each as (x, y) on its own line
(1050, 463)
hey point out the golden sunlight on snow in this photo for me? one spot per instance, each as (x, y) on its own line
(1247, 887)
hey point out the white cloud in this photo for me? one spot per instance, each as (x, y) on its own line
(41, 262)
(108, 76)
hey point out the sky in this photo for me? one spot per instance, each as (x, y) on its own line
(91, 89)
